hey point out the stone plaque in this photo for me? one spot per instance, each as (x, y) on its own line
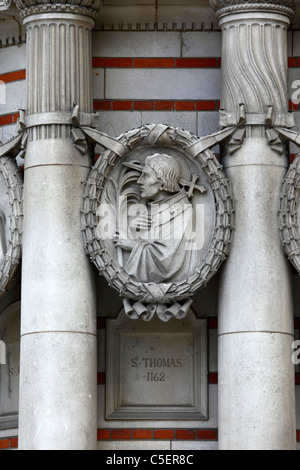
(156, 370)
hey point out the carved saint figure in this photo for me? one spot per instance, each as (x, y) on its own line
(160, 241)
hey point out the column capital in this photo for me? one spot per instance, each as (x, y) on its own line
(89, 8)
(286, 7)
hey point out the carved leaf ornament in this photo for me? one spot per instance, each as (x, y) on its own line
(289, 214)
(116, 175)
(11, 211)
(289, 210)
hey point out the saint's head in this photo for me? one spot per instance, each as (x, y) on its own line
(160, 177)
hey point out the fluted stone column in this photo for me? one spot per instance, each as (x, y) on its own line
(256, 375)
(58, 312)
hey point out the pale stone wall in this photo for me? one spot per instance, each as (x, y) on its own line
(178, 83)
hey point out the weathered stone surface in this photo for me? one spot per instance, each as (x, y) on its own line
(156, 370)
(157, 217)
(11, 216)
(255, 323)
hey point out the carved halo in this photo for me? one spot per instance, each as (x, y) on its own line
(167, 299)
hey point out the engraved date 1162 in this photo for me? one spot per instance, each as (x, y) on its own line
(156, 362)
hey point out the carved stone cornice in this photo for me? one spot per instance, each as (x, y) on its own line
(224, 7)
(89, 8)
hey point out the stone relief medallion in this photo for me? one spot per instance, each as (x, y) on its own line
(11, 216)
(157, 219)
(289, 213)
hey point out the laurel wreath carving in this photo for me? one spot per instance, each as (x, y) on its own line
(287, 216)
(162, 136)
(14, 183)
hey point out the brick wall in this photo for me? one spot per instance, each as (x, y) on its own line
(142, 76)
(191, 437)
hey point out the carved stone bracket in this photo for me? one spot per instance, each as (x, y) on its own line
(142, 299)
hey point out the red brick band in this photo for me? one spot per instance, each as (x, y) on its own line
(155, 434)
(7, 119)
(149, 62)
(13, 76)
(156, 105)
(149, 434)
(156, 62)
(9, 443)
